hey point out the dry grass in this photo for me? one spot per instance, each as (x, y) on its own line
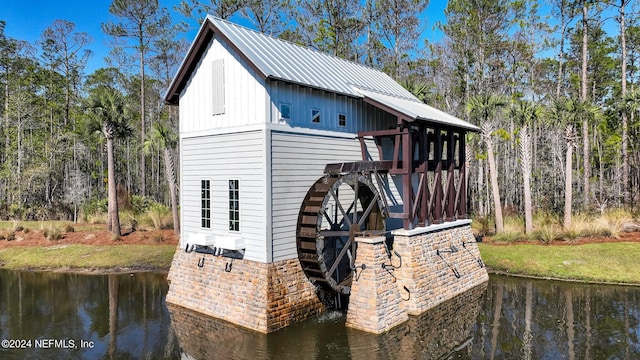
(548, 227)
(51, 231)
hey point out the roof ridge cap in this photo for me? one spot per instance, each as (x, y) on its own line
(305, 47)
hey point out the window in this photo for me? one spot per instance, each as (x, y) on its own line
(342, 120)
(205, 198)
(285, 112)
(315, 115)
(217, 102)
(234, 205)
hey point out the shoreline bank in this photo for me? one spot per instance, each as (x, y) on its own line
(602, 263)
(89, 259)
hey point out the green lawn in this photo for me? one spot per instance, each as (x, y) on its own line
(601, 262)
(88, 257)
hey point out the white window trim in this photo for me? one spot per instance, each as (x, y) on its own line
(229, 208)
(210, 202)
(345, 119)
(282, 119)
(319, 113)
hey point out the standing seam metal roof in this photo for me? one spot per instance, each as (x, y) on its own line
(279, 59)
(283, 60)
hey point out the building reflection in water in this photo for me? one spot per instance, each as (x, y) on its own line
(440, 332)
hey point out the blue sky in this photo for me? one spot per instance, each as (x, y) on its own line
(26, 20)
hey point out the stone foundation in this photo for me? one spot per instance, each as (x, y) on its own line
(374, 303)
(438, 263)
(262, 297)
(435, 264)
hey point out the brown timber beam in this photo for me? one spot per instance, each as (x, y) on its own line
(451, 188)
(462, 174)
(407, 187)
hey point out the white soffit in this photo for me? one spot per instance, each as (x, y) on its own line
(416, 110)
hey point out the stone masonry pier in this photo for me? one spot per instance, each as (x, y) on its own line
(262, 297)
(428, 266)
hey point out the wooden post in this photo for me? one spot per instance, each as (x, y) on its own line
(462, 175)
(407, 187)
(451, 187)
(437, 182)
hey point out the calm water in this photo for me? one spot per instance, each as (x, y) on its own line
(62, 316)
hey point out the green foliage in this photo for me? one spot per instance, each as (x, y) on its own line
(483, 225)
(94, 207)
(546, 234)
(547, 227)
(160, 216)
(503, 134)
(493, 56)
(140, 204)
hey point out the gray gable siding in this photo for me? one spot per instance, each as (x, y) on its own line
(297, 161)
(360, 116)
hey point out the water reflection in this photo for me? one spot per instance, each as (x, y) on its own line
(443, 331)
(552, 320)
(122, 315)
(126, 317)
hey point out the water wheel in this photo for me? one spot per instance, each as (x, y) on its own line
(334, 211)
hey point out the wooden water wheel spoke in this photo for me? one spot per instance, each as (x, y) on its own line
(365, 214)
(335, 210)
(339, 258)
(333, 233)
(339, 205)
(326, 216)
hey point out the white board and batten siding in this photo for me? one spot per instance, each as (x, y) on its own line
(220, 158)
(223, 91)
(223, 110)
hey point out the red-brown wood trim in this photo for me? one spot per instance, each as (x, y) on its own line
(407, 190)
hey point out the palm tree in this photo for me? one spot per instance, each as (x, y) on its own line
(483, 109)
(631, 105)
(526, 113)
(108, 112)
(163, 138)
(525, 157)
(567, 112)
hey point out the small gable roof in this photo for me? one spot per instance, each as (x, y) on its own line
(277, 59)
